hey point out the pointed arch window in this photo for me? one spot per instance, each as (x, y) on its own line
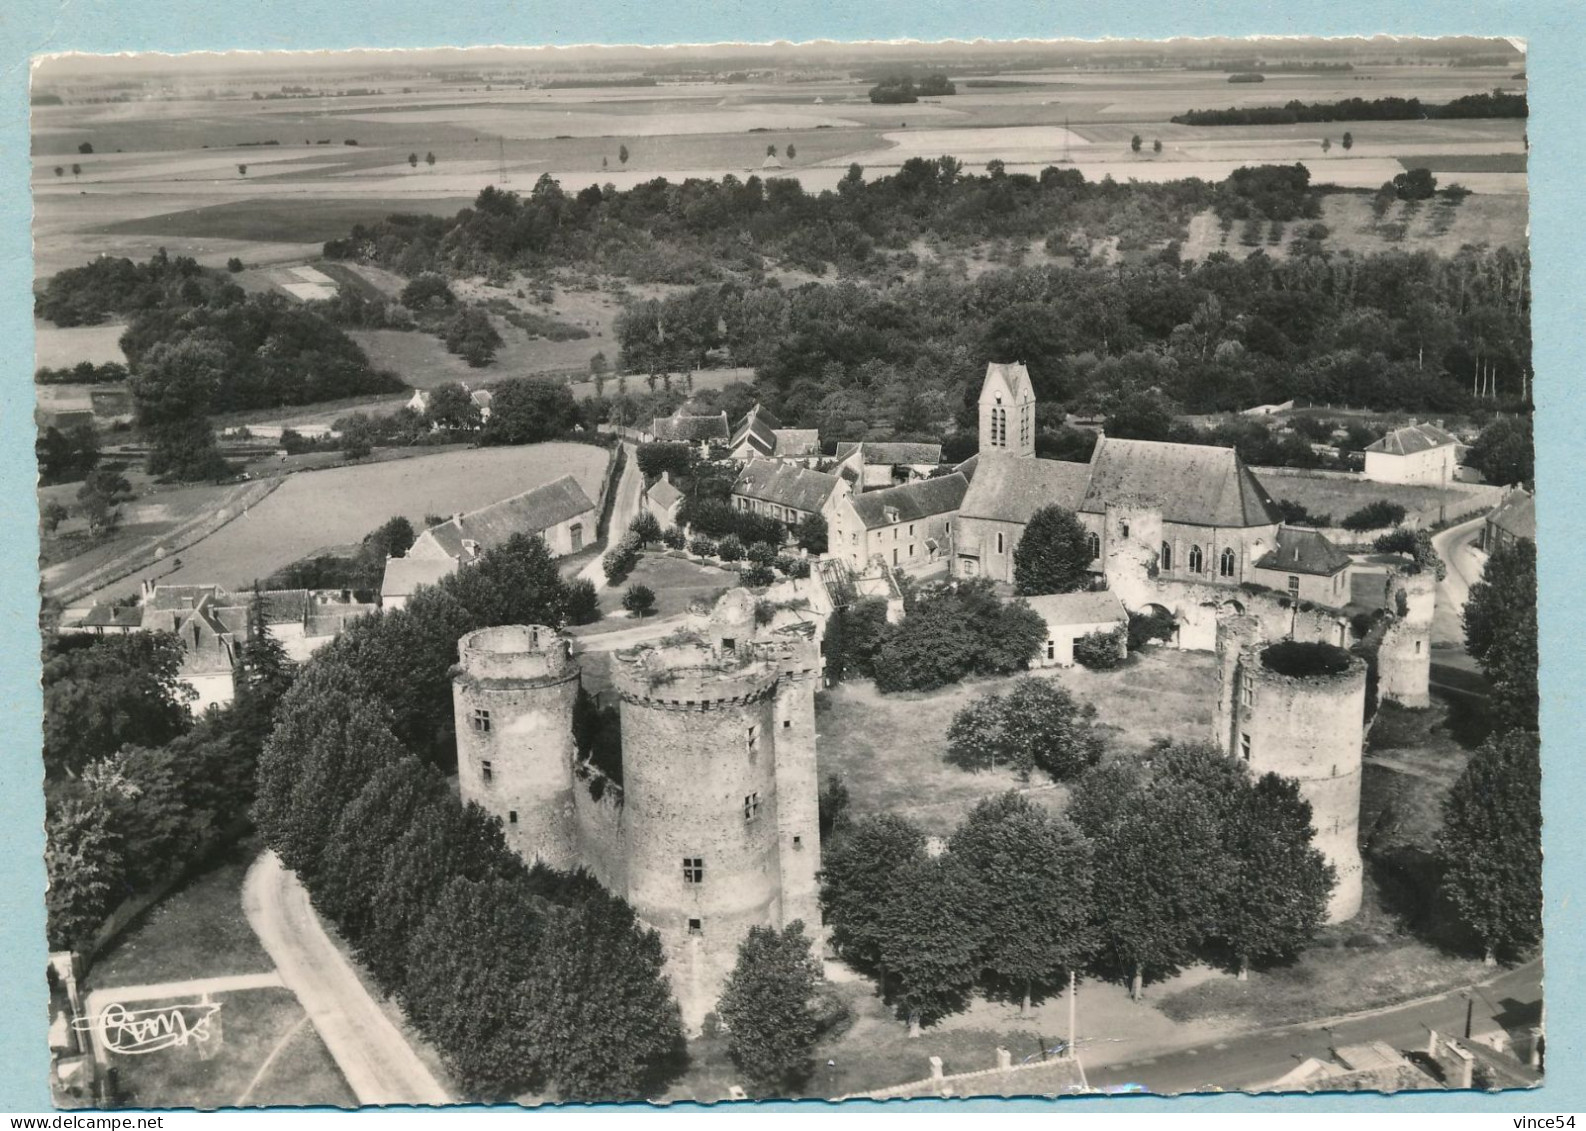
(1166, 558)
(1195, 559)
(1093, 540)
(1226, 564)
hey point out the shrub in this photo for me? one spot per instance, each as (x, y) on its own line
(703, 547)
(1375, 515)
(1416, 543)
(793, 567)
(1100, 651)
(1300, 658)
(673, 538)
(675, 458)
(757, 576)
(730, 548)
(1034, 724)
(639, 600)
(620, 560)
(1151, 624)
(234, 265)
(583, 606)
(645, 527)
(761, 553)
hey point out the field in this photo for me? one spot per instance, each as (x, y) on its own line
(312, 510)
(56, 347)
(889, 749)
(165, 171)
(1341, 497)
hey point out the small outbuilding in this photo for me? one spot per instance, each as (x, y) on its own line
(1071, 616)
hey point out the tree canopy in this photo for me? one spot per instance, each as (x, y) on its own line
(1053, 554)
(1501, 632)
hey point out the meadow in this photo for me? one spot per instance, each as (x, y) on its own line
(336, 507)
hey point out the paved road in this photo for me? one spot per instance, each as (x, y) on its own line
(623, 511)
(1455, 546)
(378, 1063)
(1259, 1058)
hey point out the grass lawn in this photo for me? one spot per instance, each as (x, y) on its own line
(198, 931)
(889, 749)
(677, 583)
(341, 505)
(1342, 497)
(269, 1055)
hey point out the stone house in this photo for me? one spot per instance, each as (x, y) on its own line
(1004, 491)
(888, 463)
(1512, 519)
(558, 511)
(404, 576)
(760, 435)
(907, 527)
(1306, 566)
(1418, 453)
(788, 493)
(663, 500)
(681, 428)
(1070, 616)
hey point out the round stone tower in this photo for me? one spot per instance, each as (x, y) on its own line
(699, 735)
(1298, 710)
(513, 692)
(1404, 657)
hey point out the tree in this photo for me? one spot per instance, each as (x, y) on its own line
(97, 497)
(1053, 554)
(60, 171)
(51, 515)
(1156, 146)
(1327, 144)
(358, 436)
(76, 169)
(832, 805)
(857, 872)
(1490, 846)
(525, 411)
(1348, 141)
(766, 1006)
(645, 527)
(622, 154)
(1034, 724)
(583, 603)
(1501, 632)
(472, 336)
(792, 151)
(83, 861)
(429, 159)
(1034, 882)
(602, 1012)
(1134, 143)
(114, 691)
(621, 559)
(639, 600)
(413, 160)
(1417, 544)
(264, 671)
(1415, 184)
(811, 533)
(770, 151)
(451, 406)
(242, 170)
(1275, 898)
(85, 147)
(953, 632)
(234, 265)
(428, 292)
(931, 938)
(1504, 452)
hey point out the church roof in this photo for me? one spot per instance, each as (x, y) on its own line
(785, 484)
(1412, 439)
(1015, 375)
(1192, 484)
(1299, 550)
(1010, 488)
(912, 501)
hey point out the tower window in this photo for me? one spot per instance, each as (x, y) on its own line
(798, 842)
(1244, 747)
(754, 739)
(999, 542)
(486, 772)
(696, 926)
(512, 816)
(1124, 527)
(481, 720)
(693, 869)
(787, 724)
(1247, 692)
(751, 807)
(729, 644)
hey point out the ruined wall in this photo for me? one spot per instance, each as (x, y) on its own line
(1404, 658)
(1307, 727)
(600, 832)
(513, 693)
(798, 788)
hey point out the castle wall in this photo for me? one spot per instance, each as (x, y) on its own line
(601, 834)
(798, 790)
(513, 693)
(1404, 658)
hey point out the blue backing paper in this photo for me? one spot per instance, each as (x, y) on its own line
(1557, 89)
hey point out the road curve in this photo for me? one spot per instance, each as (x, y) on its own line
(624, 509)
(379, 1065)
(1454, 547)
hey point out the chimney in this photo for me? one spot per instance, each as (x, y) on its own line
(666, 477)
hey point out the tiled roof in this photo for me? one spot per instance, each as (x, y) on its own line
(1086, 607)
(785, 484)
(1009, 488)
(912, 501)
(690, 429)
(1412, 439)
(1194, 484)
(109, 616)
(797, 441)
(528, 513)
(1516, 515)
(175, 598)
(967, 468)
(759, 427)
(664, 493)
(404, 575)
(1304, 551)
(902, 452)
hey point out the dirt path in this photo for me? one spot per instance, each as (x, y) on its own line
(623, 511)
(379, 1065)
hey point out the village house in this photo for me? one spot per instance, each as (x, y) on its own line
(682, 428)
(1306, 566)
(404, 576)
(906, 527)
(1512, 519)
(788, 493)
(1071, 616)
(558, 512)
(1418, 453)
(663, 500)
(760, 435)
(888, 463)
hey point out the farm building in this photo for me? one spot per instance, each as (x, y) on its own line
(680, 428)
(1511, 520)
(761, 435)
(559, 512)
(1418, 453)
(404, 576)
(787, 492)
(889, 463)
(1071, 616)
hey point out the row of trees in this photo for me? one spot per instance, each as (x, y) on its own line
(1189, 859)
(525, 980)
(1498, 104)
